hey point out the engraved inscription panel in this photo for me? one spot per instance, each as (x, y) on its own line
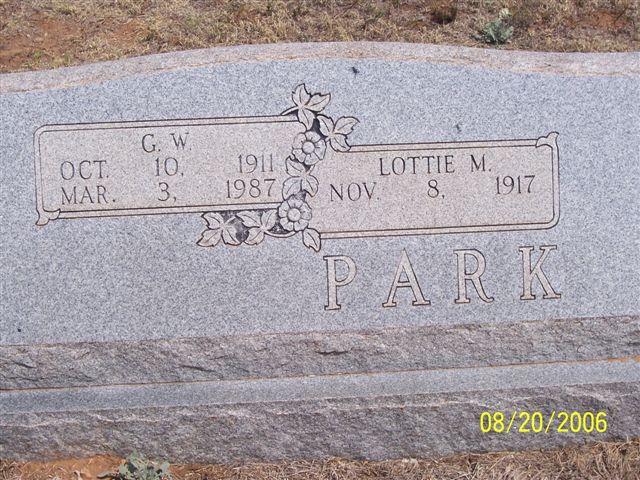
(134, 168)
(438, 188)
(293, 174)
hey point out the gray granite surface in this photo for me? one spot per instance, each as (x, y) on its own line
(362, 428)
(115, 328)
(144, 277)
(86, 364)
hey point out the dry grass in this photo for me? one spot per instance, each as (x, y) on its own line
(602, 461)
(38, 34)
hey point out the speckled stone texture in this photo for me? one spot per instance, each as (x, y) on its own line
(363, 428)
(289, 355)
(121, 333)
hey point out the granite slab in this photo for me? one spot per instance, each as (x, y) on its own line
(312, 250)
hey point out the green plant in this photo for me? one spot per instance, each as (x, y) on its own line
(498, 31)
(137, 467)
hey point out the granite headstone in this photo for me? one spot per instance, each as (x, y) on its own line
(301, 251)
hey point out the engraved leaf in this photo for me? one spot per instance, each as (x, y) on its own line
(291, 186)
(336, 133)
(301, 179)
(230, 234)
(311, 239)
(310, 184)
(256, 235)
(326, 125)
(214, 220)
(300, 98)
(318, 102)
(303, 99)
(269, 219)
(250, 218)
(210, 238)
(306, 105)
(295, 168)
(339, 143)
(306, 117)
(300, 95)
(344, 125)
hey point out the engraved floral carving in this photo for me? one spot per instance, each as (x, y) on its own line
(309, 148)
(307, 105)
(258, 223)
(299, 179)
(219, 228)
(336, 133)
(294, 214)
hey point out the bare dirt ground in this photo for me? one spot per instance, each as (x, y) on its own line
(604, 461)
(37, 34)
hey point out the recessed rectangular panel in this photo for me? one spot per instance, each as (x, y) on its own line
(168, 166)
(459, 187)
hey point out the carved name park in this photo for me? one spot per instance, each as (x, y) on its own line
(298, 174)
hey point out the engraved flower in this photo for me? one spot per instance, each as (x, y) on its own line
(309, 148)
(294, 214)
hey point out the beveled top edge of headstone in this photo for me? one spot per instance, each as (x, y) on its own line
(574, 64)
